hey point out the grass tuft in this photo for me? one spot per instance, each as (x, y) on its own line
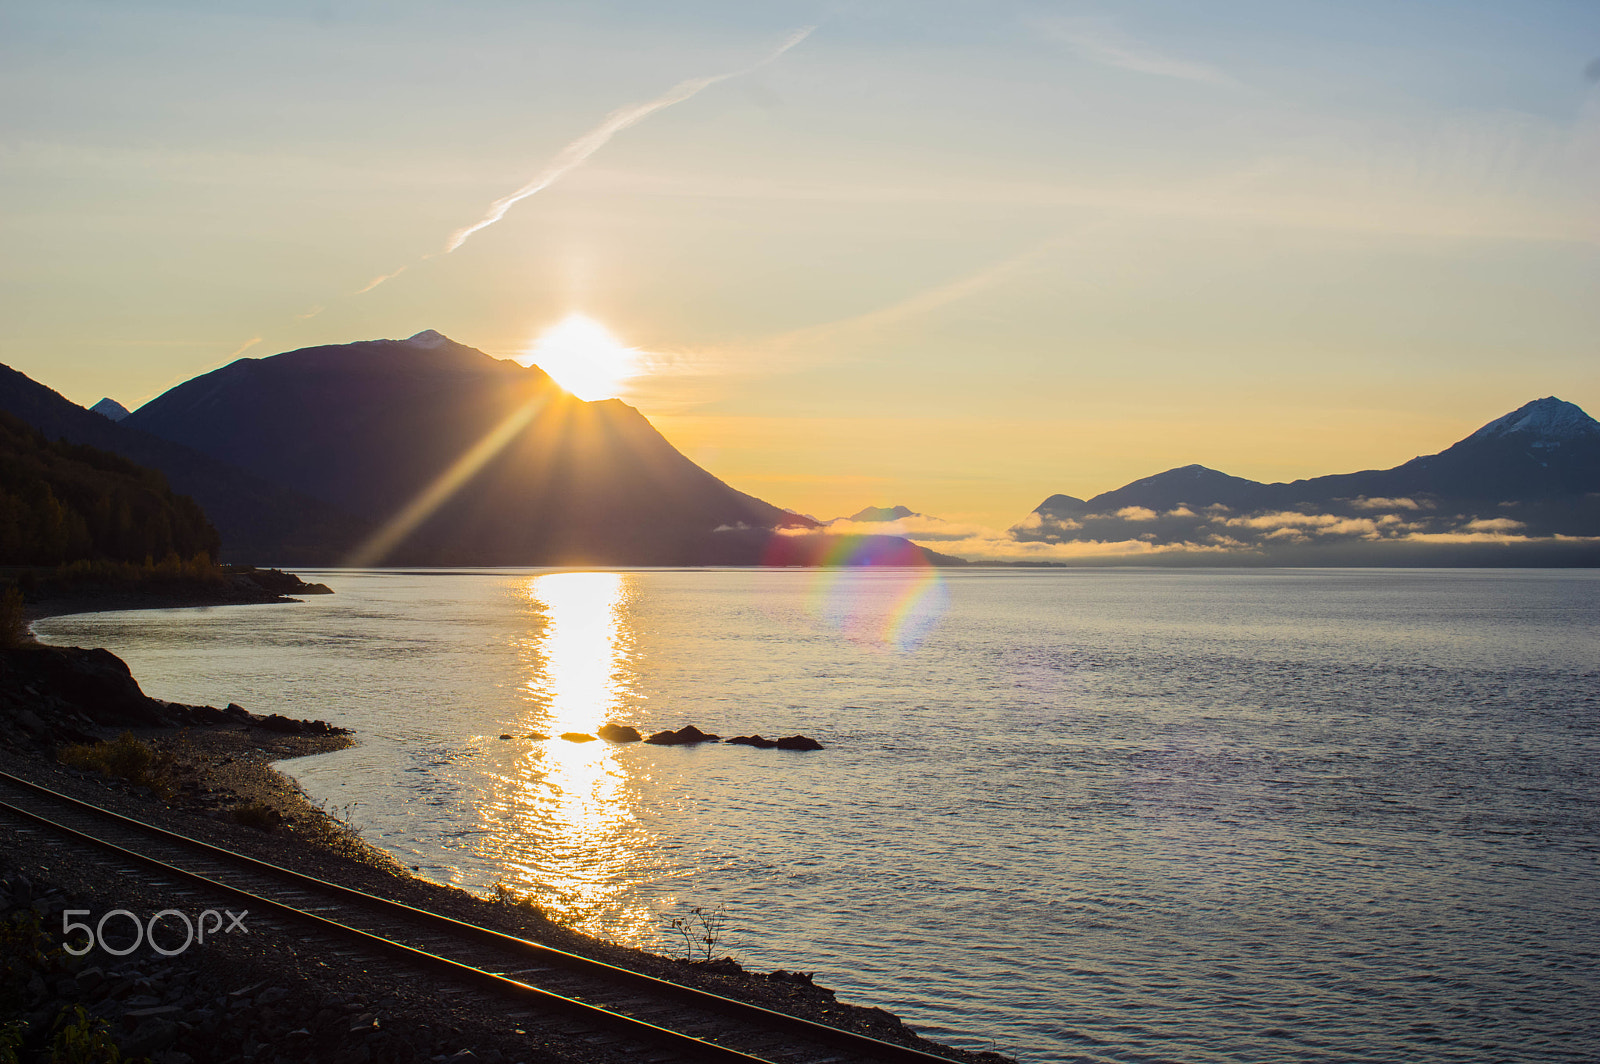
(523, 903)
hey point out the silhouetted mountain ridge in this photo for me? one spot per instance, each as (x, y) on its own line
(468, 459)
(1163, 491)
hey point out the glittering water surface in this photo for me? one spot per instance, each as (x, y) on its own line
(1072, 815)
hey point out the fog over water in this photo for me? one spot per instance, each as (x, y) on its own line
(1109, 815)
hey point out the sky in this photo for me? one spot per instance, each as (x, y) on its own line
(953, 256)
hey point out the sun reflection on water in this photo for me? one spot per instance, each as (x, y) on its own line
(562, 817)
(585, 645)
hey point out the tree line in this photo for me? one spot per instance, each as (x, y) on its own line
(62, 502)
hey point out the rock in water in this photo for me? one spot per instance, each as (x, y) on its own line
(682, 737)
(577, 737)
(618, 733)
(798, 742)
(752, 740)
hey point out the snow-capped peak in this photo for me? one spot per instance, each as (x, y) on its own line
(1546, 419)
(110, 408)
(427, 338)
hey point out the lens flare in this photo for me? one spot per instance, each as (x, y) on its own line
(880, 591)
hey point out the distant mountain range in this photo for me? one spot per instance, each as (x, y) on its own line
(1524, 489)
(428, 452)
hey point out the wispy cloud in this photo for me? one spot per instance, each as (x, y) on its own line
(574, 154)
(1494, 537)
(992, 275)
(1364, 503)
(1100, 41)
(919, 528)
(694, 376)
(998, 547)
(980, 543)
(1493, 524)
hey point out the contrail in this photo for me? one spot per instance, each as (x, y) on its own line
(933, 298)
(574, 154)
(382, 277)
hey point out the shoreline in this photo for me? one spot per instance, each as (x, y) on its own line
(238, 586)
(223, 765)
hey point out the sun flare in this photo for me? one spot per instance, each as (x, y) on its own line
(583, 357)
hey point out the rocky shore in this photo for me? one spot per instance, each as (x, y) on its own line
(261, 997)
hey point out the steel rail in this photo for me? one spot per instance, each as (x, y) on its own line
(677, 1039)
(769, 1020)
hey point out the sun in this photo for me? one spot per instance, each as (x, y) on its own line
(583, 357)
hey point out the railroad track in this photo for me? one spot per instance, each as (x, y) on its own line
(587, 999)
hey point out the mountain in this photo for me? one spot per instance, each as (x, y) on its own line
(64, 502)
(1171, 489)
(110, 408)
(1523, 489)
(464, 458)
(259, 521)
(1062, 507)
(1545, 450)
(881, 514)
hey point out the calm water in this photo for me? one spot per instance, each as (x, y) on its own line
(1072, 815)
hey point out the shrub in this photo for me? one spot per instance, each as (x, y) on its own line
(12, 1034)
(83, 1039)
(701, 931)
(126, 758)
(258, 815)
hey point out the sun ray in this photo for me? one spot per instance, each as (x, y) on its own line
(446, 484)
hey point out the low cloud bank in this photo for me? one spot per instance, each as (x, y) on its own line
(1360, 531)
(1364, 503)
(1406, 528)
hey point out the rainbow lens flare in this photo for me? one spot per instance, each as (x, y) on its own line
(877, 590)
